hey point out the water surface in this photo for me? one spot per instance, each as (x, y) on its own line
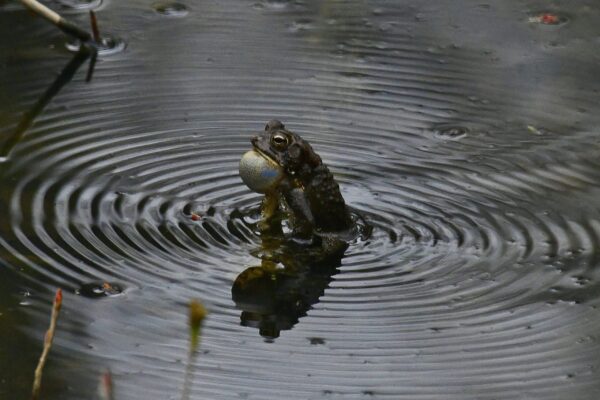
(464, 134)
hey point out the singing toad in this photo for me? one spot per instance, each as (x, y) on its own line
(298, 186)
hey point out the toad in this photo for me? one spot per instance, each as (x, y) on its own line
(298, 187)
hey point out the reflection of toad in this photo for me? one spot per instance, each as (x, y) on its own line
(296, 184)
(290, 279)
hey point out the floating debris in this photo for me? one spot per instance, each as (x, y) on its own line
(548, 19)
(195, 217)
(103, 289)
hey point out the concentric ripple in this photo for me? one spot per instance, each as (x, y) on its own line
(470, 163)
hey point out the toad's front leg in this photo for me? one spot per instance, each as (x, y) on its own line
(270, 218)
(301, 216)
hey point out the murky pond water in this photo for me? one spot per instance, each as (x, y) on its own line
(464, 134)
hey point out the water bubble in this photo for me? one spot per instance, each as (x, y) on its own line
(107, 46)
(26, 295)
(111, 45)
(100, 289)
(301, 25)
(580, 280)
(171, 9)
(540, 131)
(451, 132)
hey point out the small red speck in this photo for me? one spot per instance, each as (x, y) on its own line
(107, 385)
(107, 379)
(196, 217)
(549, 19)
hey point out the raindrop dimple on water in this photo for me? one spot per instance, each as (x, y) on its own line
(316, 341)
(171, 9)
(26, 294)
(300, 25)
(107, 46)
(451, 132)
(80, 4)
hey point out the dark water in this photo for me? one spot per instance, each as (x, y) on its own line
(464, 133)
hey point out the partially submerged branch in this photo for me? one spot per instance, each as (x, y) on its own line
(90, 42)
(37, 381)
(95, 30)
(62, 23)
(65, 77)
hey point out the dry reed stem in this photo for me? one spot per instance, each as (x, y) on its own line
(48, 338)
(197, 315)
(95, 30)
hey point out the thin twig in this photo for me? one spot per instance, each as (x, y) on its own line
(92, 65)
(65, 77)
(62, 23)
(37, 381)
(95, 30)
(87, 49)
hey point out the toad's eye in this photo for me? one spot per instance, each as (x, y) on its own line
(279, 141)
